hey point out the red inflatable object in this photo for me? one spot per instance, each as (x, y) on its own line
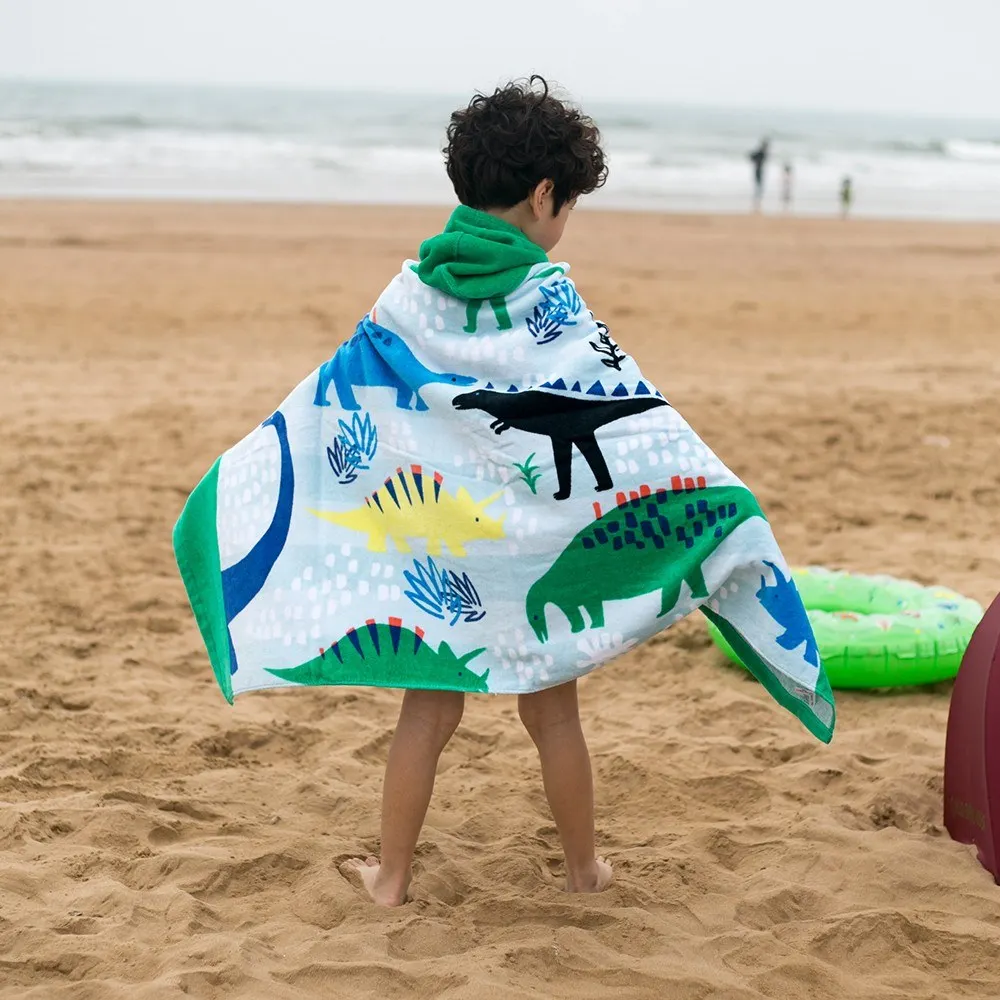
(972, 749)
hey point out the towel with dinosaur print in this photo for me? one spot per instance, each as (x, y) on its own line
(482, 496)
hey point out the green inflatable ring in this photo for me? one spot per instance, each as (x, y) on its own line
(880, 631)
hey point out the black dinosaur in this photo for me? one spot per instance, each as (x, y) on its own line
(565, 420)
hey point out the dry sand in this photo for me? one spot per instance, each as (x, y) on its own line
(156, 843)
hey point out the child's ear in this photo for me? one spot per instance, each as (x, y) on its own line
(539, 198)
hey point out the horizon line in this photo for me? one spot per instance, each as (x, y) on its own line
(333, 88)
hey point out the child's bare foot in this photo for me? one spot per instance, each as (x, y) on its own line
(596, 879)
(383, 890)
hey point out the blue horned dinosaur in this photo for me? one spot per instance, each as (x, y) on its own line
(375, 356)
(783, 604)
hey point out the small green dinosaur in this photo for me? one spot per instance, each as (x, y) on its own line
(380, 655)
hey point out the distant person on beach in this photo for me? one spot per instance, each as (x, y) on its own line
(787, 182)
(758, 157)
(846, 197)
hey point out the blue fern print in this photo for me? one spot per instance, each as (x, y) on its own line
(441, 593)
(360, 438)
(558, 309)
(543, 327)
(353, 449)
(472, 606)
(563, 295)
(341, 461)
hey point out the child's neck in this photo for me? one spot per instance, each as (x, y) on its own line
(518, 215)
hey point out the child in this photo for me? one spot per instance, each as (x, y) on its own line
(378, 500)
(523, 158)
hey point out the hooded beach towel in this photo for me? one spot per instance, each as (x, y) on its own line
(480, 491)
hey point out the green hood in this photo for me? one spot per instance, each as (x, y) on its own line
(478, 257)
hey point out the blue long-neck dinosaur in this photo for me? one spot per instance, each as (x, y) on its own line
(375, 356)
(243, 581)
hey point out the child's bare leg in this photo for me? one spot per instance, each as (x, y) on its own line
(427, 721)
(552, 718)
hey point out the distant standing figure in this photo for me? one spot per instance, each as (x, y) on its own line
(787, 179)
(758, 158)
(846, 197)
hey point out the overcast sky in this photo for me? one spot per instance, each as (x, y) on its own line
(933, 56)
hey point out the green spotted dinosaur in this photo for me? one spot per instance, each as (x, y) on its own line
(649, 542)
(388, 655)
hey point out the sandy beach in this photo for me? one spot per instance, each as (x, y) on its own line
(156, 843)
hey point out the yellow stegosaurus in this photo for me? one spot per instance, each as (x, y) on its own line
(414, 505)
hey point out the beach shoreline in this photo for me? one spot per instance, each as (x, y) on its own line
(157, 843)
(148, 141)
(677, 207)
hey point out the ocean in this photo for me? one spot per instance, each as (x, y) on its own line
(124, 141)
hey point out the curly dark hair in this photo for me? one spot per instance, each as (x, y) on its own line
(504, 144)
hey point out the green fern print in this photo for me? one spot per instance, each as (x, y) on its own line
(529, 473)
